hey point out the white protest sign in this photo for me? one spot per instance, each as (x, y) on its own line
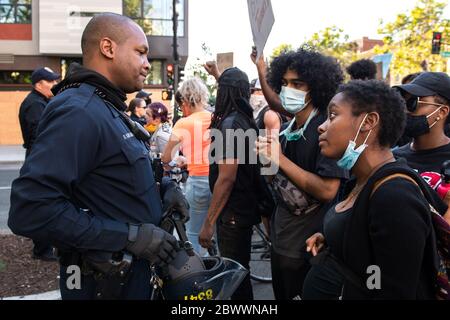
(261, 20)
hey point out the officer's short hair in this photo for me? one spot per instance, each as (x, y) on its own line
(111, 25)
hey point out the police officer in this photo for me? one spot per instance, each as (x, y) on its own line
(145, 95)
(30, 112)
(88, 182)
(31, 109)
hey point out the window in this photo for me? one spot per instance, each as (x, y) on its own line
(15, 77)
(155, 76)
(155, 16)
(15, 11)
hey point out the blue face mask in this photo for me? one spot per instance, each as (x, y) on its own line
(293, 100)
(297, 134)
(351, 155)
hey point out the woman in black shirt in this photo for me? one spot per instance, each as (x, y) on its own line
(379, 239)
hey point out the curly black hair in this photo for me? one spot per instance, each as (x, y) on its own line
(323, 74)
(363, 69)
(377, 96)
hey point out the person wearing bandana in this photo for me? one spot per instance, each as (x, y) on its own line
(299, 84)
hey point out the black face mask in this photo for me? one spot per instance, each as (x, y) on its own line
(416, 126)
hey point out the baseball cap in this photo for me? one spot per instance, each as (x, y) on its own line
(255, 85)
(44, 74)
(143, 94)
(428, 84)
(234, 77)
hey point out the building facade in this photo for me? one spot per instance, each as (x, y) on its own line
(48, 33)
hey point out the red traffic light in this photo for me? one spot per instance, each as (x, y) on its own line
(170, 68)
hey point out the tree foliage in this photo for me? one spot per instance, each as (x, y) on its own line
(409, 38)
(197, 70)
(280, 49)
(333, 42)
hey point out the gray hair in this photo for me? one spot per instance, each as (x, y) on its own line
(194, 91)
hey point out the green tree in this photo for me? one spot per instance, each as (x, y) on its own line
(409, 38)
(196, 69)
(280, 49)
(333, 42)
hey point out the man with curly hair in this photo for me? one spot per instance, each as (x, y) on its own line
(363, 69)
(300, 84)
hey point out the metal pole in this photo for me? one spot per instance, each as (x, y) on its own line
(175, 45)
(175, 59)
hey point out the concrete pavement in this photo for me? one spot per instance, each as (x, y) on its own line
(11, 155)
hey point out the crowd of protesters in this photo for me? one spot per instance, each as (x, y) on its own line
(358, 166)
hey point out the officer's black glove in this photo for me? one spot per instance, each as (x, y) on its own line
(174, 200)
(152, 243)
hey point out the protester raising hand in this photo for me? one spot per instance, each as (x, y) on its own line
(212, 68)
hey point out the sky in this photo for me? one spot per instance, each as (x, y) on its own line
(224, 24)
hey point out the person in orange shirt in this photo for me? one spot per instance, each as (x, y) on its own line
(191, 135)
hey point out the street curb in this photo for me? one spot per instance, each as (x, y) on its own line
(51, 295)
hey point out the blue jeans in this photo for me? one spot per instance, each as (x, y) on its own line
(199, 196)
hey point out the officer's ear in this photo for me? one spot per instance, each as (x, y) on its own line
(107, 47)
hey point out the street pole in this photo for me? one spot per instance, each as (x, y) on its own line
(175, 60)
(175, 45)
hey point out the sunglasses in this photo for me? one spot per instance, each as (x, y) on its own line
(413, 102)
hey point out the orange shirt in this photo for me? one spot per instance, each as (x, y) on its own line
(193, 133)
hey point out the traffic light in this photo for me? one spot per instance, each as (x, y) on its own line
(170, 75)
(436, 44)
(166, 95)
(180, 73)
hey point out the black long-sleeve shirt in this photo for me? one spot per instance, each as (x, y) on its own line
(30, 113)
(392, 229)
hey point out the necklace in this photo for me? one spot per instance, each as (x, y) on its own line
(358, 188)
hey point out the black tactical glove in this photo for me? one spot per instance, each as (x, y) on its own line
(174, 200)
(149, 242)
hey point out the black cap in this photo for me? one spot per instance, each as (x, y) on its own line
(143, 94)
(44, 74)
(429, 84)
(234, 77)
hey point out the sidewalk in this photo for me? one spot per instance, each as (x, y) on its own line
(12, 154)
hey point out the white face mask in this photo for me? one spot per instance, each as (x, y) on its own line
(293, 100)
(257, 102)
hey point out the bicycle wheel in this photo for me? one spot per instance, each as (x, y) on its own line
(260, 269)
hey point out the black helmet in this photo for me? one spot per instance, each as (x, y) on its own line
(191, 277)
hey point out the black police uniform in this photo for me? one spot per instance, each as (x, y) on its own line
(86, 158)
(30, 113)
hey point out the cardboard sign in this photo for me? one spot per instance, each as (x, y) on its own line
(261, 20)
(224, 61)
